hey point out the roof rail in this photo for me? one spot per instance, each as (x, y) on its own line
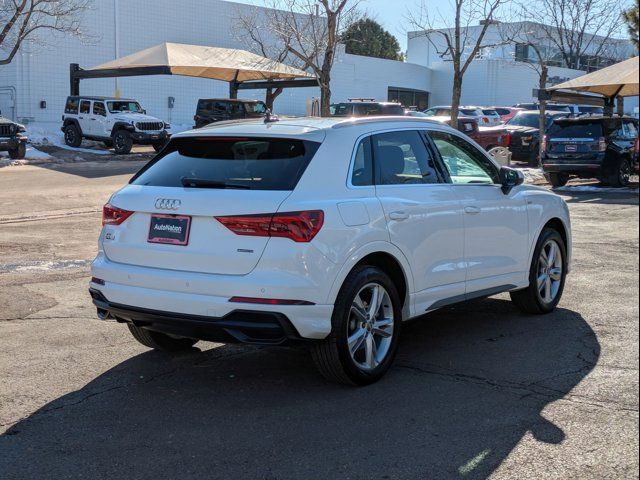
(354, 121)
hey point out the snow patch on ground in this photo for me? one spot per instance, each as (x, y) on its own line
(50, 134)
(33, 156)
(533, 175)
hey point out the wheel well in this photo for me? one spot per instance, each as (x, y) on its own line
(558, 226)
(71, 121)
(388, 264)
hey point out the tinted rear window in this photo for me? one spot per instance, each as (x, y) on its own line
(255, 163)
(469, 111)
(560, 129)
(71, 105)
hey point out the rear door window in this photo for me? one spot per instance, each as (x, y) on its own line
(223, 162)
(98, 109)
(85, 106)
(71, 106)
(560, 129)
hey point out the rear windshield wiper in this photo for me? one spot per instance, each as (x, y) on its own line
(202, 183)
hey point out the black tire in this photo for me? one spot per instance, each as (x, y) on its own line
(160, 341)
(122, 142)
(331, 356)
(72, 135)
(558, 179)
(621, 176)
(529, 300)
(19, 152)
(533, 156)
(108, 143)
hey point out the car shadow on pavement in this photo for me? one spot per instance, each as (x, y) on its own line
(98, 169)
(468, 384)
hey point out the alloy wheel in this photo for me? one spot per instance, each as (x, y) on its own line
(371, 326)
(550, 269)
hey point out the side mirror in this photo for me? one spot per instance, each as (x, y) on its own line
(510, 178)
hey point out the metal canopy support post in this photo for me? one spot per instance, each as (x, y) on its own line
(74, 80)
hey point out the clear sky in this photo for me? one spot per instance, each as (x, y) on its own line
(391, 14)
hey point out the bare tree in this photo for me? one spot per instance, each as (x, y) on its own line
(462, 43)
(254, 30)
(578, 30)
(21, 21)
(312, 29)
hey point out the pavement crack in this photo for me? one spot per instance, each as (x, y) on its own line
(529, 389)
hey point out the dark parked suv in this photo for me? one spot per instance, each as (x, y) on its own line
(589, 147)
(13, 138)
(365, 108)
(212, 110)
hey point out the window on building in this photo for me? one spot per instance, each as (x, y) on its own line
(409, 98)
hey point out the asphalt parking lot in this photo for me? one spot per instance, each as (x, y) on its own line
(477, 391)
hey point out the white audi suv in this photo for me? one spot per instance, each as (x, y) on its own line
(324, 232)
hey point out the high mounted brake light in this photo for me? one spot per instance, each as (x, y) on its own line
(296, 226)
(113, 215)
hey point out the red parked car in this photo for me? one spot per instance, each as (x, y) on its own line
(507, 113)
(486, 137)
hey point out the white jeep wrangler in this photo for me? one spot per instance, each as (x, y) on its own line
(117, 122)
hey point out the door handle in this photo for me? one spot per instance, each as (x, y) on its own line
(472, 210)
(398, 215)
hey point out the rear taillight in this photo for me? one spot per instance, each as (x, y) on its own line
(297, 226)
(113, 215)
(544, 143)
(602, 144)
(635, 146)
(507, 140)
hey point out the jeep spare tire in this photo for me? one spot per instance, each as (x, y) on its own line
(122, 142)
(72, 135)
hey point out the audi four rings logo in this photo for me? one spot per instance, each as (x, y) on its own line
(168, 204)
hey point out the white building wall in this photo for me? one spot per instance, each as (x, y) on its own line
(491, 82)
(121, 27)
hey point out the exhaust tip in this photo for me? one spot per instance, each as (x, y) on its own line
(103, 314)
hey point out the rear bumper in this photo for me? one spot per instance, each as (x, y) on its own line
(572, 168)
(181, 295)
(238, 326)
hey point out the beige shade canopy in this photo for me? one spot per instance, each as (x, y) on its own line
(225, 64)
(620, 79)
